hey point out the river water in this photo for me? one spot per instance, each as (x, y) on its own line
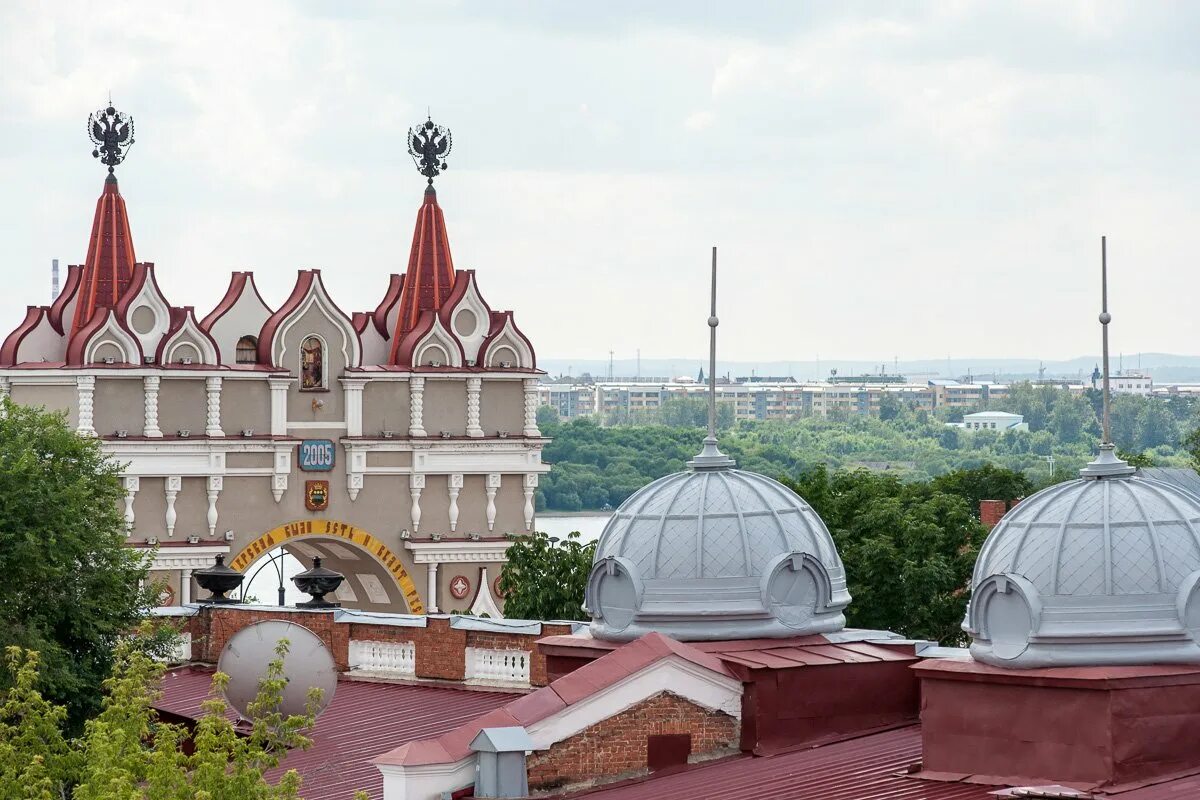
(590, 526)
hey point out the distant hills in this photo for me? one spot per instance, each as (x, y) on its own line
(1165, 367)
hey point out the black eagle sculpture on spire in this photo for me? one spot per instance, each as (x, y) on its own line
(112, 133)
(429, 144)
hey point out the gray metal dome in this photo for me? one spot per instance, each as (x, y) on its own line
(1096, 571)
(716, 553)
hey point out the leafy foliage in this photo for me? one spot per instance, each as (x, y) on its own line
(545, 577)
(594, 466)
(908, 548)
(126, 753)
(71, 585)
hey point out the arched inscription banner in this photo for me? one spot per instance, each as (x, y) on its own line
(328, 527)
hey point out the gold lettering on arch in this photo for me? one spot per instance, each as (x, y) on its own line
(324, 527)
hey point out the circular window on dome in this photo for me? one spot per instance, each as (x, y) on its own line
(793, 591)
(616, 595)
(1007, 620)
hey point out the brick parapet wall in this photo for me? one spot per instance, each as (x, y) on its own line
(440, 649)
(616, 747)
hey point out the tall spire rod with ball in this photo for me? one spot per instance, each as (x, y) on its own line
(710, 456)
(1107, 464)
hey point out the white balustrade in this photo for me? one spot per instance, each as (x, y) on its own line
(383, 658)
(509, 667)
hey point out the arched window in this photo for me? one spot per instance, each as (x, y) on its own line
(312, 364)
(247, 350)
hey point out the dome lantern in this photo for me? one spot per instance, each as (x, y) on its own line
(715, 553)
(1099, 571)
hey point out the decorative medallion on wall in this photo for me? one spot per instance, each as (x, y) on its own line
(166, 597)
(496, 588)
(460, 587)
(316, 495)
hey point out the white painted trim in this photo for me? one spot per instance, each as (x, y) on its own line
(427, 781)
(116, 336)
(208, 353)
(460, 551)
(484, 602)
(446, 341)
(673, 674)
(150, 297)
(316, 294)
(172, 558)
(508, 337)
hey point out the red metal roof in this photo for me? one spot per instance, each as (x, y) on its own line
(866, 768)
(110, 257)
(364, 720)
(430, 274)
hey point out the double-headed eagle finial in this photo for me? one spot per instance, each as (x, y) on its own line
(112, 133)
(429, 144)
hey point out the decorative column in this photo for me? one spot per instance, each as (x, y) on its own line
(85, 387)
(5, 390)
(174, 484)
(212, 419)
(416, 405)
(490, 487)
(185, 586)
(150, 385)
(455, 485)
(474, 386)
(279, 390)
(531, 406)
(132, 484)
(416, 482)
(353, 389)
(531, 482)
(431, 606)
(215, 484)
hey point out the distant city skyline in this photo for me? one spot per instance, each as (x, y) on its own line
(896, 178)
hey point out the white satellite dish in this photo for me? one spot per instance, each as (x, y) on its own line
(308, 664)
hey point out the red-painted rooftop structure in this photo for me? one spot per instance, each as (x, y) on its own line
(430, 274)
(364, 719)
(110, 257)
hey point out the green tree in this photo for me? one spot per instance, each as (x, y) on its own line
(127, 753)
(72, 586)
(987, 482)
(908, 549)
(1155, 426)
(545, 578)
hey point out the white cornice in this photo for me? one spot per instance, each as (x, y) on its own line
(197, 557)
(457, 551)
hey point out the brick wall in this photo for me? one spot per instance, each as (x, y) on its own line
(440, 649)
(616, 747)
(990, 512)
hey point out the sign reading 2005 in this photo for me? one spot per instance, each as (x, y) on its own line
(316, 455)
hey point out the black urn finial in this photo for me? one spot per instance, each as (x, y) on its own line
(112, 133)
(318, 582)
(429, 144)
(217, 580)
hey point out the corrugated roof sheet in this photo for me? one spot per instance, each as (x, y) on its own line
(866, 768)
(364, 720)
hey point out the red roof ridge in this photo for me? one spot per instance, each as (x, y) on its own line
(69, 290)
(12, 343)
(588, 680)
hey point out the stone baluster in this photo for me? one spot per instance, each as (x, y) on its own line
(531, 483)
(531, 407)
(132, 484)
(416, 406)
(212, 420)
(215, 484)
(150, 387)
(474, 387)
(490, 487)
(454, 483)
(174, 484)
(416, 482)
(85, 387)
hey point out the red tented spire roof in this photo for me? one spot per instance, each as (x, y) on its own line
(430, 268)
(110, 258)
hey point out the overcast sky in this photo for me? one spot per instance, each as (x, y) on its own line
(886, 179)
